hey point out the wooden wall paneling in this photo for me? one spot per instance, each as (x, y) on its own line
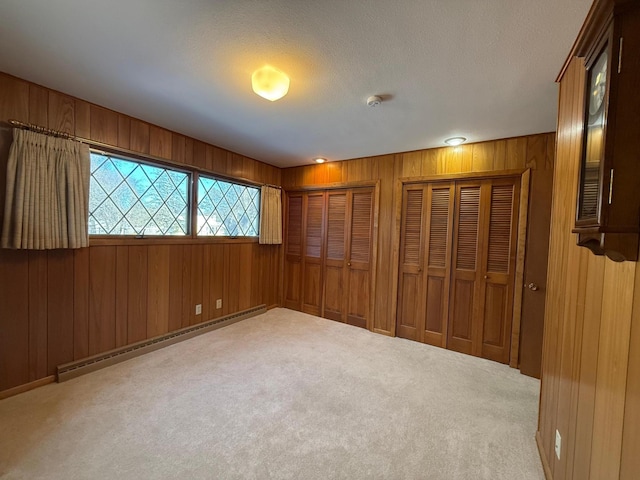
(613, 358)
(37, 314)
(14, 99)
(232, 273)
(139, 136)
(175, 286)
(82, 112)
(188, 151)
(199, 154)
(525, 181)
(103, 125)
(186, 285)
(216, 279)
(466, 157)
(536, 152)
(81, 303)
(500, 155)
(260, 276)
(160, 142)
(516, 156)
(382, 308)
(234, 164)
(206, 283)
(102, 295)
(248, 168)
(124, 132)
(38, 105)
(245, 273)
(137, 294)
(178, 148)
(630, 459)
(197, 252)
(60, 287)
(61, 113)
(482, 156)
(412, 164)
(14, 321)
(585, 402)
(122, 295)
(158, 261)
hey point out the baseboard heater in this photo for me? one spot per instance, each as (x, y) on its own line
(71, 370)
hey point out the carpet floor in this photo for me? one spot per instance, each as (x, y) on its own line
(283, 395)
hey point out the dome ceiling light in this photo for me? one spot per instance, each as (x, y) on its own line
(455, 141)
(270, 83)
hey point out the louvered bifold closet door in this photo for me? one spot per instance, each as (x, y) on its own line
(410, 314)
(437, 275)
(499, 269)
(313, 253)
(464, 317)
(293, 253)
(359, 246)
(335, 256)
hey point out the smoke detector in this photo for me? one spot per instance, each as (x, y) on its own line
(374, 101)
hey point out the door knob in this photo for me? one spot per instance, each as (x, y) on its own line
(419, 269)
(486, 276)
(533, 286)
(348, 264)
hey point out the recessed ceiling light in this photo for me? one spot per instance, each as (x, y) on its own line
(270, 83)
(455, 141)
(319, 160)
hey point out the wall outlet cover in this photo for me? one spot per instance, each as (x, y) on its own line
(198, 309)
(558, 444)
(219, 303)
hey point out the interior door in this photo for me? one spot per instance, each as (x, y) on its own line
(293, 253)
(483, 273)
(313, 248)
(359, 244)
(335, 257)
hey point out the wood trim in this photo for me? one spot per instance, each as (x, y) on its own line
(331, 186)
(187, 240)
(463, 176)
(543, 458)
(373, 266)
(27, 386)
(523, 218)
(395, 256)
(383, 332)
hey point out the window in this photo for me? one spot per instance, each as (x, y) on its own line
(128, 197)
(227, 209)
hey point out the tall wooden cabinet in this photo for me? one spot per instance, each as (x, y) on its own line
(328, 253)
(457, 265)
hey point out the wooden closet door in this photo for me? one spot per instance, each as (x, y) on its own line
(464, 330)
(483, 272)
(313, 247)
(437, 275)
(359, 244)
(410, 312)
(335, 255)
(498, 269)
(293, 253)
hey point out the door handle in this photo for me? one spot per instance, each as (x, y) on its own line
(532, 286)
(348, 264)
(419, 269)
(486, 277)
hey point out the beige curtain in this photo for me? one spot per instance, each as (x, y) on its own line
(270, 215)
(47, 198)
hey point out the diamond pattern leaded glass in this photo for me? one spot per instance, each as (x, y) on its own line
(227, 209)
(132, 198)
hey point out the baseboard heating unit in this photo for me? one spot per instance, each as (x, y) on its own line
(74, 369)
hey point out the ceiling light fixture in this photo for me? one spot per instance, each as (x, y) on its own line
(270, 83)
(320, 160)
(455, 141)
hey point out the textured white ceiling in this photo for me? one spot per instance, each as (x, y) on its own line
(482, 69)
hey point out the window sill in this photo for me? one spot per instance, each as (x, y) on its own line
(96, 241)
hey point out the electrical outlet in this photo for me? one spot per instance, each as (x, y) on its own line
(199, 309)
(219, 303)
(558, 444)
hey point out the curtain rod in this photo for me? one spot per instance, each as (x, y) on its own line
(57, 133)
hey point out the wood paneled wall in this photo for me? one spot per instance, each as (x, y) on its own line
(591, 355)
(60, 305)
(533, 151)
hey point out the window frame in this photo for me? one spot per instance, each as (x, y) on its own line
(194, 174)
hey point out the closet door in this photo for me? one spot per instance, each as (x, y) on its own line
(335, 256)
(499, 269)
(483, 270)
(359, 244)
(439, 230)
(312, 259)
(466, 274)
(293, 253)
(410, 313)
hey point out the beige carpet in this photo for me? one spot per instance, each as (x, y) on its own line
(283, 395)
